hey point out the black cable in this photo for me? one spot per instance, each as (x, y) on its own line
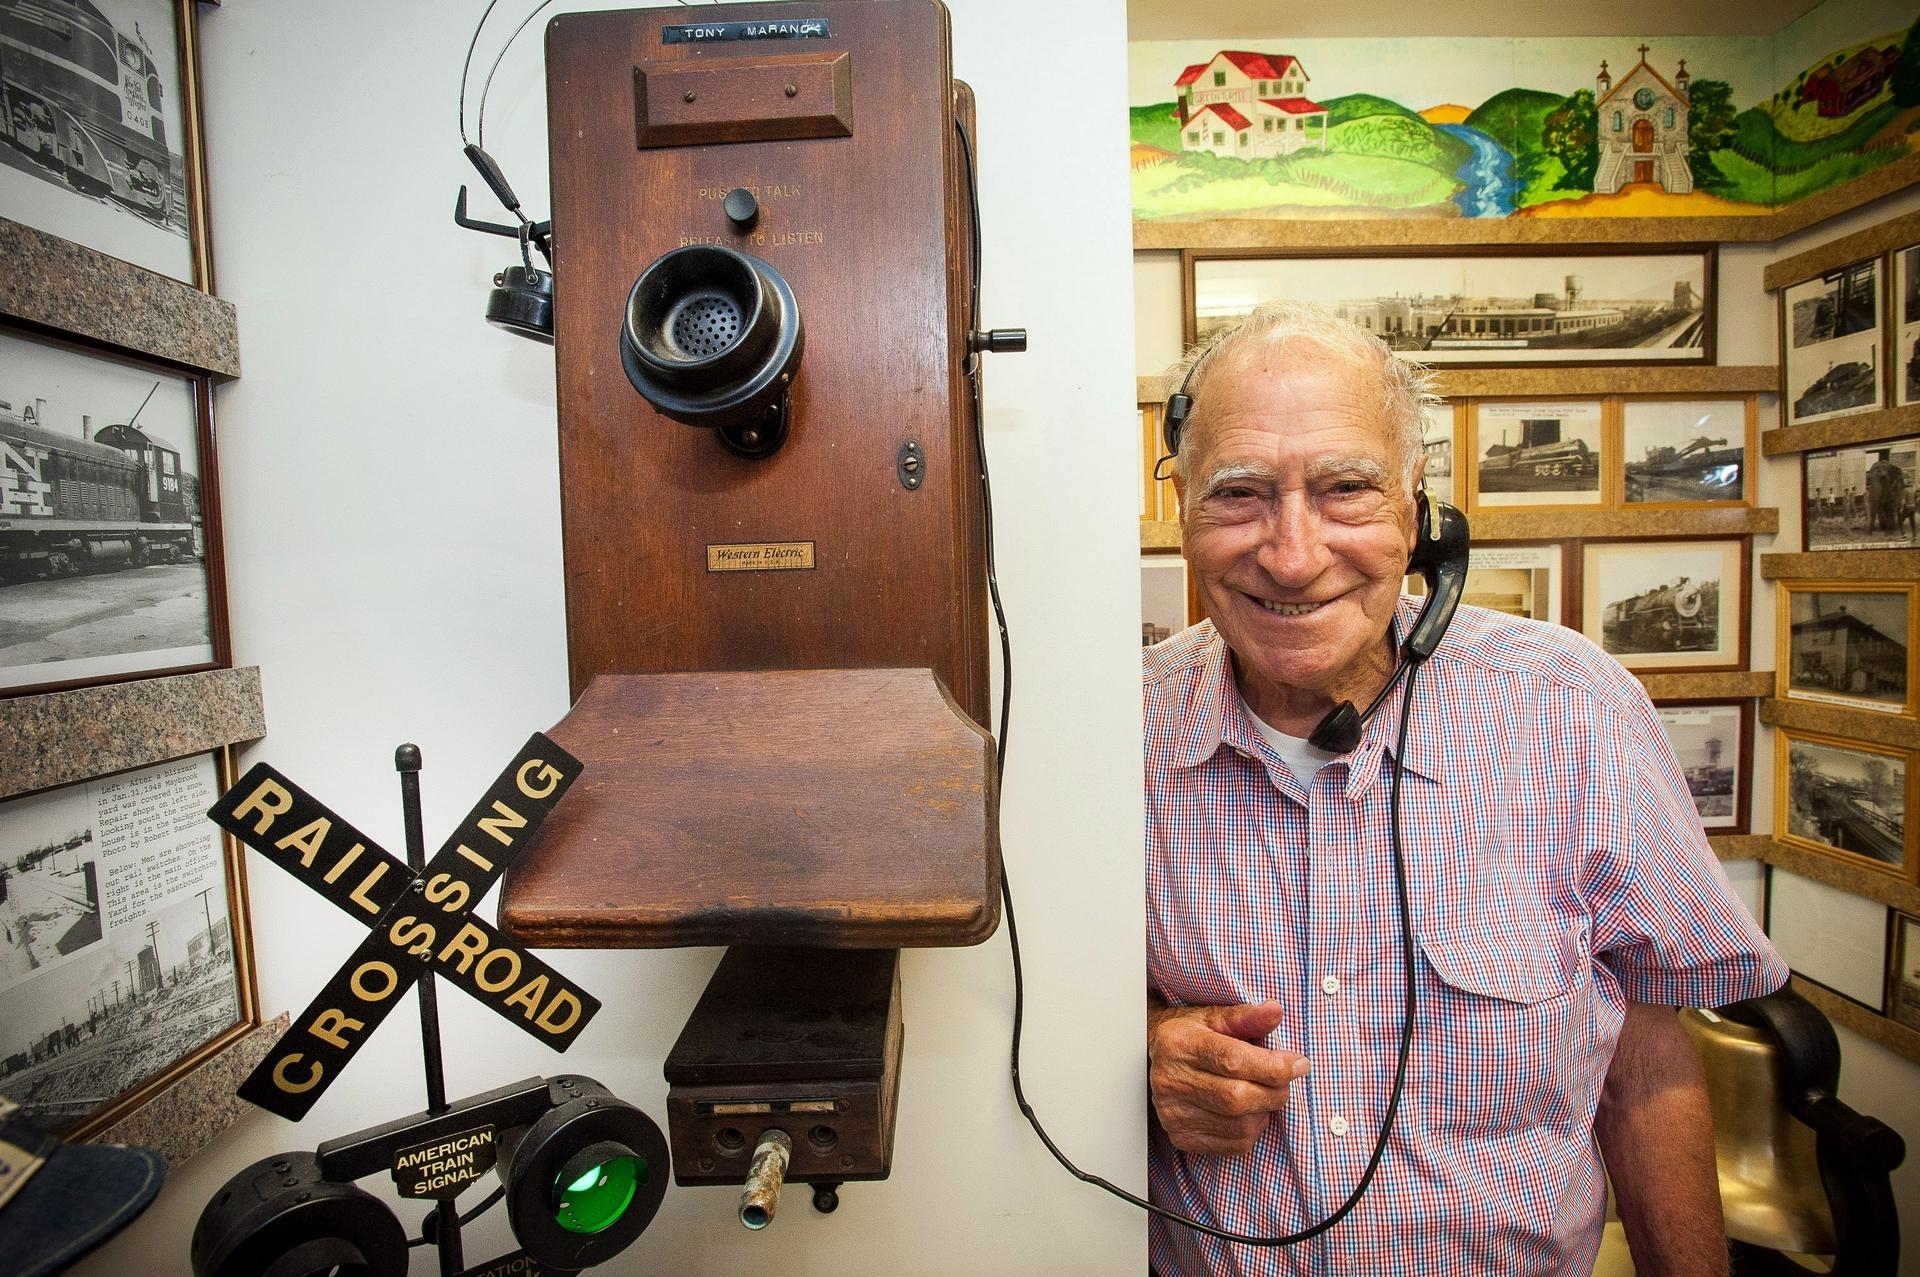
(480, 125)
(467, 66)
(485, 1206)
(1006, 889)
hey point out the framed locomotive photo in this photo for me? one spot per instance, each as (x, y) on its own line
(109, 527)
(126, 953)
(1539, 454)
(1831, 343)
(1714, 744)
(1666, 605)
(1511, 305)
(1848, 643)
(1832, 937)
(1903, 973)
(1905, 325)
(1846, 799)
(1687, 452)
(100, 135)
(1518, 579)
(1860, 498)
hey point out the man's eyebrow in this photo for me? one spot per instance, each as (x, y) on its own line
(1347, 468)
(1235, 472)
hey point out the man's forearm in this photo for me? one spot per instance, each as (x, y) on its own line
(1655, 1128)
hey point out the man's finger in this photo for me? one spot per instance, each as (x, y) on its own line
(1249, 1021)
(1228, 1057)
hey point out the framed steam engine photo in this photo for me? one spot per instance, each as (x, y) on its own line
(109, 531)
(100, 131)
(1667, 605)
(1536, 454)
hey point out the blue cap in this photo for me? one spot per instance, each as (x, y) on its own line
(57, 1200)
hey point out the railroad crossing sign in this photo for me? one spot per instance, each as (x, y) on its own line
(416, 923)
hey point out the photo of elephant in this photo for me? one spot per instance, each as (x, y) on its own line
(1863, 497)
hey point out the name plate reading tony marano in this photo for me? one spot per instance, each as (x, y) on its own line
(761, 556)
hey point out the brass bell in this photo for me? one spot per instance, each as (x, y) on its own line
(1770, 1186)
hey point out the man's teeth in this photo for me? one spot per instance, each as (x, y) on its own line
(1289, 609)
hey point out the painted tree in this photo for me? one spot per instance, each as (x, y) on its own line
(1710, 128)
(1570, 133)
(1906, 72)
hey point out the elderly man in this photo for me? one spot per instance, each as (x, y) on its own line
(1562, 895)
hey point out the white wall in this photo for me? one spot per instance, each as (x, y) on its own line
(392, 508)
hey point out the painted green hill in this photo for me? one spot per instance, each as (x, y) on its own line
(1154, 125)
(1357, 106)
(1512, 117)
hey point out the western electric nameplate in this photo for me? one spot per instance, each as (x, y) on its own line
(762, 556)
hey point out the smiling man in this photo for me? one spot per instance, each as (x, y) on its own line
(1562, 894)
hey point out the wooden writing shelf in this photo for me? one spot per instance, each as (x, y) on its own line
(1842, 565)
(1841, 720)
(1835, 432)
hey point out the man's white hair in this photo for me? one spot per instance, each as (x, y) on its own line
(1405, 385)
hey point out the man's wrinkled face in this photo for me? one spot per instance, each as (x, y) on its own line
(1298, 518)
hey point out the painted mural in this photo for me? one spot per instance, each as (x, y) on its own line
(1594, 127)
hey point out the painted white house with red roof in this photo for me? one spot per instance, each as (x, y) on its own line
(1643, 129)
(1248, 106)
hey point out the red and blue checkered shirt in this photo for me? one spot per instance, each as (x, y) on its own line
(1556, 871)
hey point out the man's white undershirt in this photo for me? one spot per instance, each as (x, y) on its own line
(1302, 759)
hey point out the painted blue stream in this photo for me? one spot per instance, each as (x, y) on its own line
(1490, 184)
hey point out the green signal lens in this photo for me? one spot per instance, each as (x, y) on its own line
(594, 1199)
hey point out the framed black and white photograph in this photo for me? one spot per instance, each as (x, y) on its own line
(1438, 474)
(1848, 643)
(100, 135)
(1686, 451)
(1903, 973)
(1713, 743)
(1163, 597)
(1863, 497)
(1845, 799)
(1831, 336)
(1518, 579)
(1666, 605)
(1906, 326)
(109, 544)
(1498, 306)
(1832, 937)
(125, 954)
(1537, 454)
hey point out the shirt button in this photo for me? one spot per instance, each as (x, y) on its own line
(1338, 1125)
(1330, 986)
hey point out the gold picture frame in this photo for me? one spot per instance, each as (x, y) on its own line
(1848, 643)
(1848, 800)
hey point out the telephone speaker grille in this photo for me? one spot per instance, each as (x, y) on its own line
(706, 326)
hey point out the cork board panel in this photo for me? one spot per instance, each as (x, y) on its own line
(1739, 846)
(1731, 685)
(1838, 720)
(1870, 883)
(1888, 1033)
(61, 285)
(1842, 565)
(185, 1118)
(1895, 233)
(62, 737)
(1859, 427)
(1159, 534)
(1560, 525)
(1463, 383)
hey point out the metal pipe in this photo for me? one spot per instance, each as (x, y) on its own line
(762, 1196)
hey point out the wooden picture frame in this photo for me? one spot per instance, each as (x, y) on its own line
(1848, 643)
(1158, 501)
(1830, 936)
(1903, 970)
(1833, 343)
(138, 963)
(129, 182)
(1848, 800)
(1903, 324)
(1442, 305)
(109, 518)
(1644, 601)
(1718, 772)
(1519, 578)
(1851, 498)
(1675, 453)
(1536, 454)
(1440, 443)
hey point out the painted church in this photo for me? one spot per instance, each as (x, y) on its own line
(1643, 129)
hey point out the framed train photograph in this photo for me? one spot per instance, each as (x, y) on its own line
(1667, 605)
(1688, 452)
(1714, 745)
(1536, 454)
(1487, 307)
(1832, 339)
(1848, 643)
(1846, 799)
(100, 135)
(125, 947)
(110, 563)
(1862, 497)
(1905, 326)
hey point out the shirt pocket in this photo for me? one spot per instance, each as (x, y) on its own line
(1504, 1024)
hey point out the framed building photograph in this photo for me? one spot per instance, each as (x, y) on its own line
(1861, 498)
(1906, 326)
(109, 529)
(100, 135)
(1438, 474)
(1163, 597)
(1846, 799)
(1683, 452)
(1666, 605)
(1831, 339)
(125, 950)
(1496, 306)
(1903, 973)
(1832, 937)
(1848, 643)
(1714, 743)
(1518, 579)
(1536, 454)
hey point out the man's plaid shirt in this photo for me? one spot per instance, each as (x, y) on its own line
(1556, 871)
